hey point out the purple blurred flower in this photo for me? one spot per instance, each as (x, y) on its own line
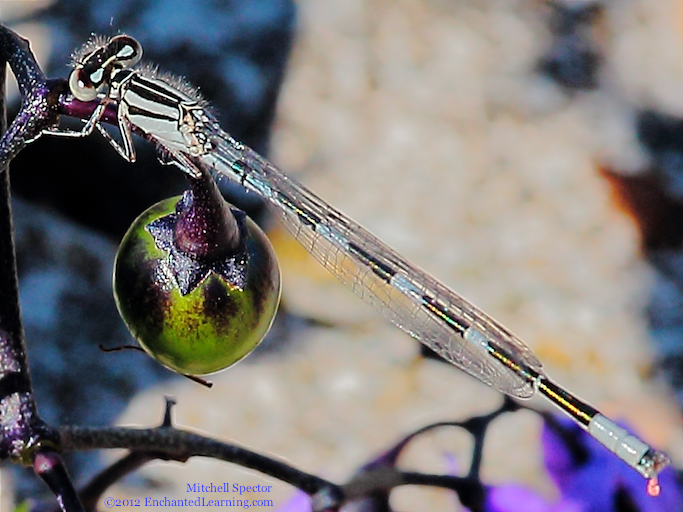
(514, 498)
(299, 502)
(588, 474)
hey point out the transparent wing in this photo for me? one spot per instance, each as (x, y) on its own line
(403, 293)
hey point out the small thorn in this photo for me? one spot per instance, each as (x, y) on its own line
(168, 414)
(199, 380)
(120, 348)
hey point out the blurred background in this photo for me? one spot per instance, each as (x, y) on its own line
(527, 153)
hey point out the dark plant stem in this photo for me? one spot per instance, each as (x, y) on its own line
(478, 427)
(50, 468)
(91, 494)
(470, 491)
(21, 427)
(175, 444)
(39, 108)
(24, 436)
(377, 479)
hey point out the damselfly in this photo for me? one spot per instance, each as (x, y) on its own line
(168, 112)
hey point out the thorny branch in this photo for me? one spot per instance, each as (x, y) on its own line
(375, 481)
(24, 435)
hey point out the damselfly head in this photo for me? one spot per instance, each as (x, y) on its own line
(97, 60)
(122, 51)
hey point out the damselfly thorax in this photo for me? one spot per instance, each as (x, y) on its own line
(154, 103)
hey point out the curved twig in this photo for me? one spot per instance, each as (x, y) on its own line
(180, 445)
(39, 107)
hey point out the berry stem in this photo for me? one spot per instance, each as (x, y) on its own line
(205, 229)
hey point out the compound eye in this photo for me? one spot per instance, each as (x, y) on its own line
(81, 85)
(126, 50)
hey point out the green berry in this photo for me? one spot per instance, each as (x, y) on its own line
(197, 283)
